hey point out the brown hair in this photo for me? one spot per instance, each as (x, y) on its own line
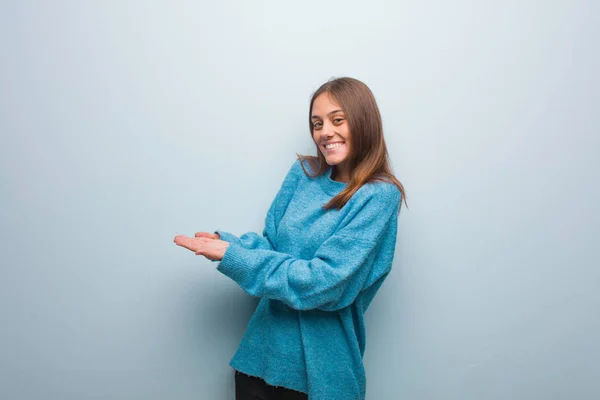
(368, 158)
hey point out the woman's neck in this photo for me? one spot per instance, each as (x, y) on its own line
(340, 175)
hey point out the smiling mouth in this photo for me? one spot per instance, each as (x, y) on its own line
(331, 146)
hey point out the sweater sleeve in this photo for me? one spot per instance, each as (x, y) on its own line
(252, 240)
(340, 269)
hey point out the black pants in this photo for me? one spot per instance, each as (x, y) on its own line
(253, 388)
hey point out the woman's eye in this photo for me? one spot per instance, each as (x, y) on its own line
(317, 125)
(338, 120)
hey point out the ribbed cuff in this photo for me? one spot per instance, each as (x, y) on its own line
(233, 265)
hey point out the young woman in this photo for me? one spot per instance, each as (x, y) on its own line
(327, 246)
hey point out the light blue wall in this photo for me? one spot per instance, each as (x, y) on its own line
(126, 123)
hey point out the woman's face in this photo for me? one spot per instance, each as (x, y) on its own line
(331, 131)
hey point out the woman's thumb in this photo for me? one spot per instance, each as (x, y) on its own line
(207, 235)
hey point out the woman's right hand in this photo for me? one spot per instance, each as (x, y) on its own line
(208, 235)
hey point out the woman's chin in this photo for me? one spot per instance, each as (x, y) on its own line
(331, 161)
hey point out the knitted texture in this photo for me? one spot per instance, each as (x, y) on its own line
(315, 271)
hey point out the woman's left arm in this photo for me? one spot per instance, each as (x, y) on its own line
(359, 252)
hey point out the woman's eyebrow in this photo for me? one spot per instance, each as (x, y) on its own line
(331, 112)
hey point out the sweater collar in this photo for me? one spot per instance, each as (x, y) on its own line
(330, 186)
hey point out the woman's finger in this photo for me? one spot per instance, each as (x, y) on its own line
(179, 239)
(188, 243)
(206, 235)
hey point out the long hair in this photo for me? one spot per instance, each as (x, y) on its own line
(368, 159)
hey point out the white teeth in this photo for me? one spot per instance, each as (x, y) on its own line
(331, 146)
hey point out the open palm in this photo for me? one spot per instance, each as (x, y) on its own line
(206, 244)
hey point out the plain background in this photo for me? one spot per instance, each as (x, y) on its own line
(125, 123)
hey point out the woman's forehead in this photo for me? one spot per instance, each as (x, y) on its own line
(325, 104)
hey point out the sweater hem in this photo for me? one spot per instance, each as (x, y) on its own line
(268, 379)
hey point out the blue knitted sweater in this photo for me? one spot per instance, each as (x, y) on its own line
(316, 272)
